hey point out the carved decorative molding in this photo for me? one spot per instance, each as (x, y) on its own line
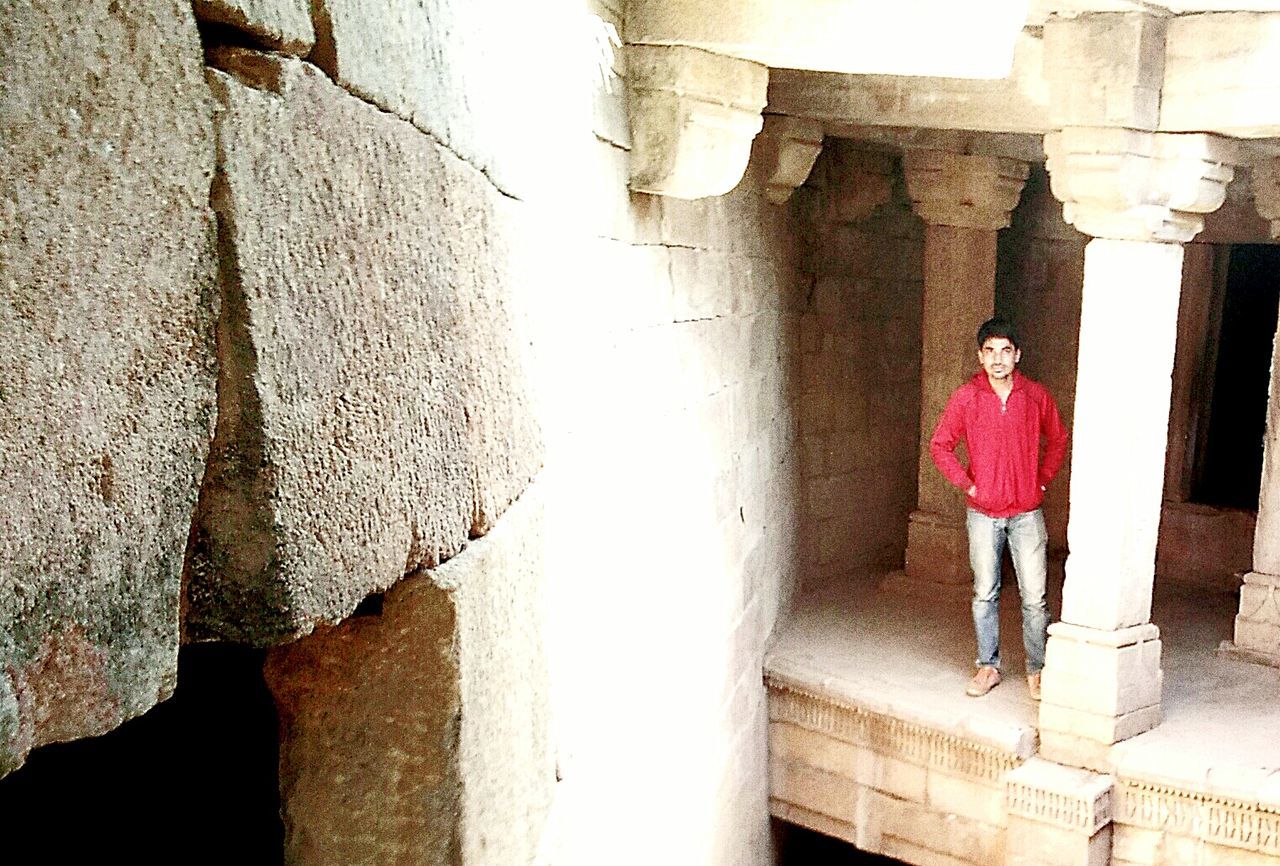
(1235, 823)
(1064, 797)
(966, 190)
(888, 736)
(694, 115)
(1125, 184)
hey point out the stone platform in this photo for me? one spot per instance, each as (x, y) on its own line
(873, 740)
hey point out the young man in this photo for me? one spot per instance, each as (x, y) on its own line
(1001, 416)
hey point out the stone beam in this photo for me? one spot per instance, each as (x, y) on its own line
(1019, 102)
(694, 115)
(910, 37)
(1220, 74)
(1105, 69)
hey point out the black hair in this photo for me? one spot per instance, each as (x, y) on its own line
(997, 326)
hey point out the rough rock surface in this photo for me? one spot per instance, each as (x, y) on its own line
(420, 734)
(284, 25)
(107, 308)
(444, 66)
(372, 406)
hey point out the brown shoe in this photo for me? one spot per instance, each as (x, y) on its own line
(1033, 686)
(983, 681)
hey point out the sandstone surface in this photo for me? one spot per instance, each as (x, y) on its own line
(420, 734)
(106, 356)
(284, 25)
(372, 410)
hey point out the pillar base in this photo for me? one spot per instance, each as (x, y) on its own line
(1099, 687)
(1258, 622)
(1235, 652)
(938, 550)
(1057, 816)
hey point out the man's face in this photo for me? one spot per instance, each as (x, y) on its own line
(998, 357)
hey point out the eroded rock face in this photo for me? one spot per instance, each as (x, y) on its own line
(107, 371)
(420, 734)
(372, 409)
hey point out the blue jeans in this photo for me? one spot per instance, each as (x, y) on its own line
(1027, 539)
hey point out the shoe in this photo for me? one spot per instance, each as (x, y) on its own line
(986, 679)
(1033, 686)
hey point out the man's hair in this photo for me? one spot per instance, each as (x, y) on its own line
(998, 326)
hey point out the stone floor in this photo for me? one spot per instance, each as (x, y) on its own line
(910, 656)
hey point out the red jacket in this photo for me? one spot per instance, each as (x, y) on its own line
(1003, 444)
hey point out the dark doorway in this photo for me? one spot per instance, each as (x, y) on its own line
(194, 780)
(798, 846)
(1228, 467)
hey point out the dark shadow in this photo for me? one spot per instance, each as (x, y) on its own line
(192, 781)
(798, 846)
(1230, 469)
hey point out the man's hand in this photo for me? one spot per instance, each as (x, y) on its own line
(973, 490)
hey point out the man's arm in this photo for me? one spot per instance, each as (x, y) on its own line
(1055, 435)
(942, 445)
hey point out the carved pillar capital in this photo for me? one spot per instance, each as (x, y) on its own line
(787, 149)
(963, 190)
(1125, 184)
(1266, 192)
(693, 117)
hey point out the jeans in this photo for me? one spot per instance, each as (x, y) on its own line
(1027, 539)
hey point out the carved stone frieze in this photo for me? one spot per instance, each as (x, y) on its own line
(1248, 824)
(896, 738)
(1064, 797)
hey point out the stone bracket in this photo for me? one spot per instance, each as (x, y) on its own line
(964, 190)
(1126, 184)
(787, 150)
(1266, 192)
(694, 115)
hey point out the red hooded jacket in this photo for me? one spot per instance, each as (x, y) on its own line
(1003, 443)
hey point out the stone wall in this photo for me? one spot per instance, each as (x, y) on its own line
(426, 294)
(860, 362)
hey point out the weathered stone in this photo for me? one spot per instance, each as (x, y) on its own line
(284, 25)
(694, 115)
(1105, 69)
(106, 348)
(421, 734)
(1216, 74)
(1124, 184)
(372, 412)
(788, 148)
(447, 67)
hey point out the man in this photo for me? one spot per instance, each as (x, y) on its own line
(1001, 416)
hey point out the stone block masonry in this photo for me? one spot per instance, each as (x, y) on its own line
(860, 363)
(372, 413)
(420, 734)
(106, 356)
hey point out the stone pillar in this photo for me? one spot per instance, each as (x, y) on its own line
(1139, 195)
(1057, 816)
(964, 200)
(1257, 631)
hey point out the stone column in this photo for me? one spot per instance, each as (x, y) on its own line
(964, 200)
(1139, 194)
(1257, 631)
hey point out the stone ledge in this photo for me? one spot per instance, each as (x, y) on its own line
(1050, 793)
(986, 755)
(1251, 824)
